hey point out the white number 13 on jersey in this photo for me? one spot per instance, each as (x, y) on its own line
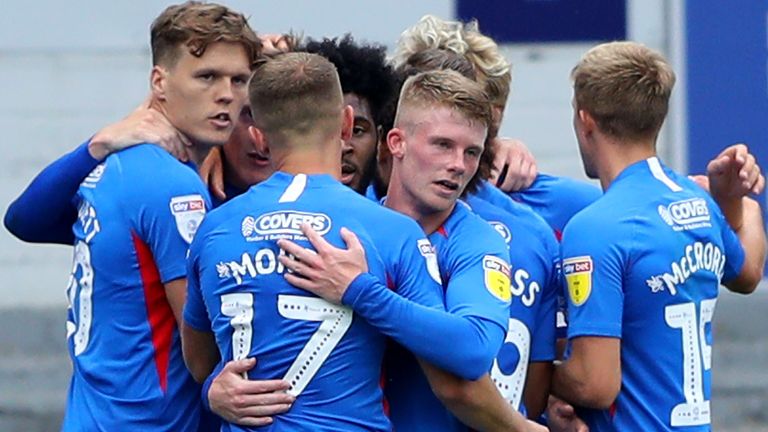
(696, 352)
(335, 321)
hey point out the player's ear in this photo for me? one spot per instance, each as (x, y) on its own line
(348, 122)
(396, 142)
(257, 137)
(587, 121)
(158, 79)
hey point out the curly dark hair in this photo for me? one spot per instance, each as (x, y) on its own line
(363, 70)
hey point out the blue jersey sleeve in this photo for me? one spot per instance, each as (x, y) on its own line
(166, 218)
(44, 212)
(477, 279)
(423, 330)
(592, 266)
(195, 311)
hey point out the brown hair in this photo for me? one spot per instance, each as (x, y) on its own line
(450, 89)
(295, 92)
(197, 25)
(626, 87)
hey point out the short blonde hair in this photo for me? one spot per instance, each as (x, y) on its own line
(295, 93)
(493, 70)
(626, 87)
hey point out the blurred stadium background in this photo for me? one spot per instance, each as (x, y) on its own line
(67, 68)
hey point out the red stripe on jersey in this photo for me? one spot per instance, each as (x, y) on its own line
(558, 235)
(161, 319)
(391, 283)
(612, 410)
(382, 384)
(442, 231)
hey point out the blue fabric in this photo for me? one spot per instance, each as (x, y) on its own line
(643, 264)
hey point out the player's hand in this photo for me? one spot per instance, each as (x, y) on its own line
(212, 173)
(734, 173)
(144, 124)
(274, 44)
(701, 180)
(327, 272)
(244, 402)
(562, 417)
(514, 167)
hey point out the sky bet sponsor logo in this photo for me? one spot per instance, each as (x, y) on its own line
(686, 215)
(283, 224)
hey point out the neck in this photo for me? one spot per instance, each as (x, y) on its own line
(308, 159)
(615, 155)
(402, 201)
(196, 151)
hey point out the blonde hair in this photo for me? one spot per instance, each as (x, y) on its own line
(196, 25)
(295, 93)
(493, 70)
(626, 87)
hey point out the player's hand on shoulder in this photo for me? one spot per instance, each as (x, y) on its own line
(514, 167)
(327, 272)
(562, 417)
(244, 402)
(212, 172)
(144, 124)
(734, 173)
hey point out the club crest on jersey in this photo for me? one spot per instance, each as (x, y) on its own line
(578, 276)
(502, 229)
(189, 211)
(686, 214)
(283, 224)
(93, 177)
(428, 252)
(497, 277)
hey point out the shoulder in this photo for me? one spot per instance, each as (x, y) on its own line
(471, 233)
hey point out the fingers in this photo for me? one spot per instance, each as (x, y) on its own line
(719, 165)
(239, 366)
(298, 256)
(318, 242)
(759, 185)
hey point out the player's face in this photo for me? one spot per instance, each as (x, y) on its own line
(247, 165)
(203, 95)
(357, 154)
(587, 159)
(441, 154)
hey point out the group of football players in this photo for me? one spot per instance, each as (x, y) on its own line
(305, 235)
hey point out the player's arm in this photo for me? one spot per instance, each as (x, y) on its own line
(591, 377)
(198, 344)
(514, 167)
(592, 265)
(478, 404)
(732, 175)
(44, 212)
(340, 276)
(537, 387)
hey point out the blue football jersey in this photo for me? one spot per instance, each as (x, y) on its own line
(330, 356)
(554, 198)
(474, 269)
(535, 284)
(137, 212)
(643, 264)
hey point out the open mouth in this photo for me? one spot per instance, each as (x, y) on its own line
(347, 172)
(258, 158)
(448, 185)
(221, 120)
